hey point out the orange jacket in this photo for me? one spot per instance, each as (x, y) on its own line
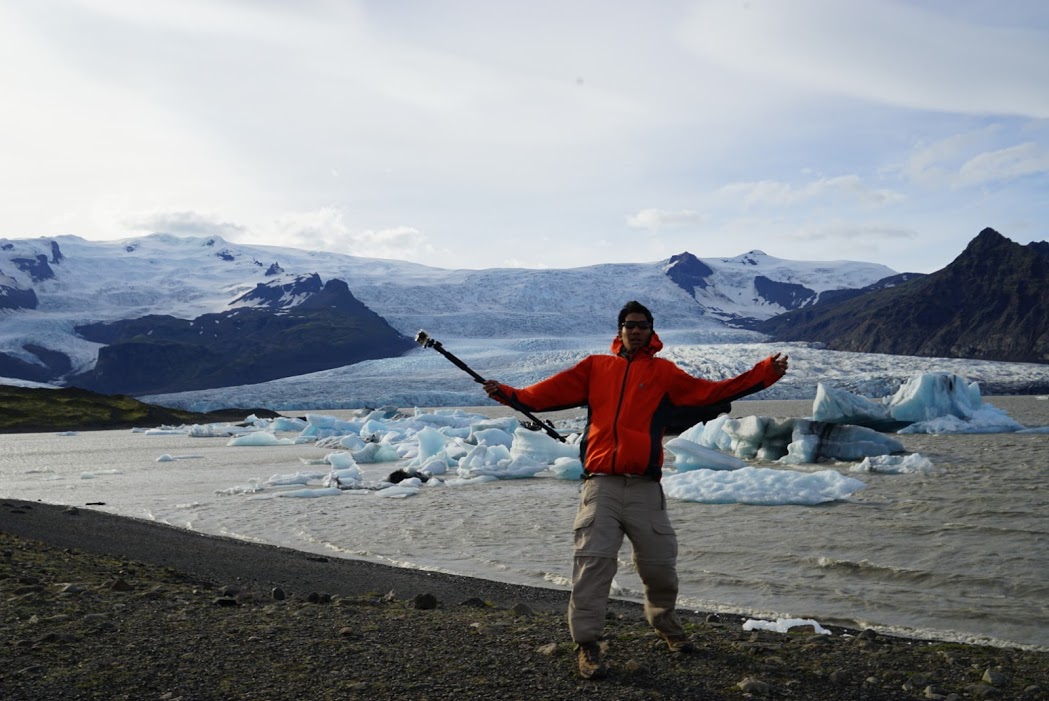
(629, 400)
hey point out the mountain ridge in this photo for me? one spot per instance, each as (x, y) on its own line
(990, 303)
(132, 315)
(120, 316)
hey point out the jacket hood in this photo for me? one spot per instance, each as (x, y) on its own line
(653, 347)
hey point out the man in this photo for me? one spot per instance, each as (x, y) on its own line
(630, 396)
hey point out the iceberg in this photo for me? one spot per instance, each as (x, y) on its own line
(760, 486)
(935, 394)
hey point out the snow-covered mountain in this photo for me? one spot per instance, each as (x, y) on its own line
(516, 325)
(50, 286)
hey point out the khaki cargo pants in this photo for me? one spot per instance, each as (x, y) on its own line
(611, 506)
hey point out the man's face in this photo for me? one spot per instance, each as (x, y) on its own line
(638, 336)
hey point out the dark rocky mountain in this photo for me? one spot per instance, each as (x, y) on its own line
(283, 294)
(159, 353)
(688, 272)
(990, 303)
(13, 296)
(836, 296)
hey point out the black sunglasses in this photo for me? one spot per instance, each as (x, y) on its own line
(643, 325)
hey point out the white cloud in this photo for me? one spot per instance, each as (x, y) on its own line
(184, 224)
(325, 229)
(1005, 164)
(441, 132)
(884, 51)
(975, 158)
(661, 219)
(772, 193)
(852, 231)
(403, 242)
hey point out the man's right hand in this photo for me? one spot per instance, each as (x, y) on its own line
(780, 364)
(491, 387)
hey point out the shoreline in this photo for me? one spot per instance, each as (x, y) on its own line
(222, 558)
(189, 599)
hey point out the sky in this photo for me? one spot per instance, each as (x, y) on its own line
(451, 132)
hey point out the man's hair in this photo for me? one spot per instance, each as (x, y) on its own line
(633, 307)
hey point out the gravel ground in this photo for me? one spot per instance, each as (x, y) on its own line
(100, 607)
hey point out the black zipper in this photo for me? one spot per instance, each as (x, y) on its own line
(615, 421)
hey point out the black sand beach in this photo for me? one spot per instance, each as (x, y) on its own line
(96, 606)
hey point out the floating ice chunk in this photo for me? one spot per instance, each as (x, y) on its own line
(485, 455)
(287, 423)
(496, 461)
(760, 485)
(376, 452)
(692, 456)
(286, 480)
(839, 406)
(253, 487)
(340, 461)
(895, 464)
(165, 431)
(431, 442)
(788, 441)
(466, 481)
(324, 426)
(259, 438)
(344, 470)
(492, 436)
(783, 625)
(67, 433)
(447, 417)
(435, 466)
(711, 434)
(984, 419)
(166, 457)
(397, 491)
(746, 434)
(540, 447)
(96, 473)
(814, 440)
(567, 468)
(311, 493)
(507, 424)
(935, 394)
(385, 431)
(211, 430)
(325, 421)
(460, 432)
(779, 433)
(350, 441)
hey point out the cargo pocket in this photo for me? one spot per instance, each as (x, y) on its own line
(663, 545)
(583, 528)
(584, 518)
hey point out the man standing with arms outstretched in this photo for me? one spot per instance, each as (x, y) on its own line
(631, 396)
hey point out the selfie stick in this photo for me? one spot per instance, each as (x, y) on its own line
(424, 340)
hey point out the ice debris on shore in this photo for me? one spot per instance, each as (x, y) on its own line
(783, 625)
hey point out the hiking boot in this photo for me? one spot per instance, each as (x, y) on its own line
(679, 644)
(591, 661)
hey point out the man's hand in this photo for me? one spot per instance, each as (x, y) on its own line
(779, 364)
(491, 387)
